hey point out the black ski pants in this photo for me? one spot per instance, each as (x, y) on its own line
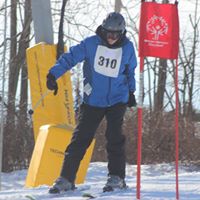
(89, 120)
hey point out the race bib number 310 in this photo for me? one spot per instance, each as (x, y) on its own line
(107, 61)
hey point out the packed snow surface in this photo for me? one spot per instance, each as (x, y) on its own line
(157, 183)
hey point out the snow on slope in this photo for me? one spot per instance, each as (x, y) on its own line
(158, 183)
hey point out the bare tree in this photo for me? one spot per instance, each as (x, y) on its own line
(188, 58)
(162, 75)
(10, 118)
(16, 122)
(25, 136)
(3, 89)
(161, 85)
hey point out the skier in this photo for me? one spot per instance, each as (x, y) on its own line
(109, 86)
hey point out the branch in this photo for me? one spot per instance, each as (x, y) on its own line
(60, 46)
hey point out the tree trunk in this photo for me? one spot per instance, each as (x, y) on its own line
(24, 132)
(15, 131)
(162, 75)
(10, 119)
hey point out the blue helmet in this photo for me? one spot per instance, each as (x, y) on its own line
(114, 22)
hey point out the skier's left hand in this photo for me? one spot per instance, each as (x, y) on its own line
(132, 101)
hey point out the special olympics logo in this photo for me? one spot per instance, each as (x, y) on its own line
(157, 26)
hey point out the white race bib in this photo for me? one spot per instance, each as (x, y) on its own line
(107, 61)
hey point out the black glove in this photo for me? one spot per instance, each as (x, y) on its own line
(131, 101)
(51, 83)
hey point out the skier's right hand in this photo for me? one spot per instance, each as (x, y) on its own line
(51, 83)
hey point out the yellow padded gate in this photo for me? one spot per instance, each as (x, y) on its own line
(52, 109)
(50, 140)
(48, 155)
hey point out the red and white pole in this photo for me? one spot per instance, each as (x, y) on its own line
(177, 129)
(139, 147)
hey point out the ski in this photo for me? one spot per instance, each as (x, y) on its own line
(89, 195)
(78, 190)
(30, 197)
(94, 195)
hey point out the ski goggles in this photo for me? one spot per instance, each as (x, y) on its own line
(114, 35)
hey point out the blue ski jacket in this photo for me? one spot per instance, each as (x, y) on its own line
(109, 73)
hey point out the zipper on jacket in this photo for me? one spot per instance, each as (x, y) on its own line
(109, 88)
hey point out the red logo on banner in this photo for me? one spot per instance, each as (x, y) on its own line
(159, 30)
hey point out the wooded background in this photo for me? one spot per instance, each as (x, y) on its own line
(81, 20)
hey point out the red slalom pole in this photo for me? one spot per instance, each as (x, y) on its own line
(177, 130)
(139, 146)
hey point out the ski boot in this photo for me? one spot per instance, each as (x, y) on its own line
(114, 182)
(61, 185)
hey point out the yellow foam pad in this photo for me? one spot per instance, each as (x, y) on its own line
(48, 156)
(52, 109)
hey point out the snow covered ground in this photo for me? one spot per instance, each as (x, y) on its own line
(158, 183)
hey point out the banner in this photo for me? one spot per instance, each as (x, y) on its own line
(159, 30)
